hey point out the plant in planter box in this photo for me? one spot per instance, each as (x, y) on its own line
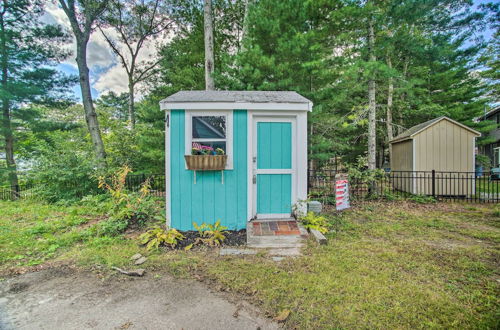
(205, 158)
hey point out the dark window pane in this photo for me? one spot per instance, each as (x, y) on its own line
(209, 127)
(214, 145)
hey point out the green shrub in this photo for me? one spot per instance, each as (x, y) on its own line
(62, 169)
(112, 227)
(128, 208)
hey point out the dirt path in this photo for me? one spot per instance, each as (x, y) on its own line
(64, 299)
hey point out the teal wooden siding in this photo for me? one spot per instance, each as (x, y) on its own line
(274, 193)
(274, 151)
(208, 200)
(274, 145)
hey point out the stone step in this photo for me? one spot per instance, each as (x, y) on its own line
(274, 246)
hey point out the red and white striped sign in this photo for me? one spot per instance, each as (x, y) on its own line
(342, 194)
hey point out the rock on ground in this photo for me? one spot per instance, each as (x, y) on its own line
(65, 299)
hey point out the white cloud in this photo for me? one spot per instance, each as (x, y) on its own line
(113, 80)
(107, 73)
(99, 55)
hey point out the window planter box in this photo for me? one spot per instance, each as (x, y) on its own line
(206, 162)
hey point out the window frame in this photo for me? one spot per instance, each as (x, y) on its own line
(229, 132)
(496, 157)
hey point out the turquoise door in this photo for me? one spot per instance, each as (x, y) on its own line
(273, 167)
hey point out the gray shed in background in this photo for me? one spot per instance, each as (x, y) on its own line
(441, 144)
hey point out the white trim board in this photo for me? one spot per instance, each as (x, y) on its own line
(301, 162)
(168, 203)
(210, 106)
(188, 128)
(255, 118)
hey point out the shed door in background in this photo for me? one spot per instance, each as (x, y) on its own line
(273, 167)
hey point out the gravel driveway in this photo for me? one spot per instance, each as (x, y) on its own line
(62, 298)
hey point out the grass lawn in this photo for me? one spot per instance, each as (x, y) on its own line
(484, 184)
(389, 265)
(386, 265)
(34, 234)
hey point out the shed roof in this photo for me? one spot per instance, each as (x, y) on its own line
(254, 100)
(489, 114)
(410, 133)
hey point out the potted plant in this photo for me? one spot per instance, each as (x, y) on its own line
(206, 159)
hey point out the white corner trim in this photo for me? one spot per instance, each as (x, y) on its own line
(168, 211)
(250, 168)
(188, 128)
(301, 141)
(474, 164)
(208, 106)
(413, 173)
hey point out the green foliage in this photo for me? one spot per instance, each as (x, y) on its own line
(422, 199)
(157, 236)
(128, 208)
(62, 170)
(29, 53)
(113, 226)
(359, 173)
(483, 160)
(314, 221)
(210, 234)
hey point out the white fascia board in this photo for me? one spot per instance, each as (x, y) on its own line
(208, 106)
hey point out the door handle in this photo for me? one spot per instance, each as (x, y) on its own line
(254, 179)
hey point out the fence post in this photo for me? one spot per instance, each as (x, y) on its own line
(434, 183)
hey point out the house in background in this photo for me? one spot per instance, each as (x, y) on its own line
(442, 145)
(262, 139)
(492, 150)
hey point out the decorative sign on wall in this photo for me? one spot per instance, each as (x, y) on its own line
(342, 194)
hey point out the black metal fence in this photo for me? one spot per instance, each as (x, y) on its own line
(443, 186)
(31, 190)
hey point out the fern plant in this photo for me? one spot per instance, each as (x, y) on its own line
(157, 236)
(211, 234)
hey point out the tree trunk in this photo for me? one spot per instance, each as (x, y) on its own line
(244, 33)
(209, 46)
(403, 97)
(88, 106)
(390, 93)
(372, 106)
(9, 147)
(6, 120)
(131, 106)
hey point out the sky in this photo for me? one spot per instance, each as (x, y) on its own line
(106, 73)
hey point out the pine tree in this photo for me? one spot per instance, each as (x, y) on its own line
(29, 52)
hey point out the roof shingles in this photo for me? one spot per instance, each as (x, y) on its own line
(420, 127)
(236, 96)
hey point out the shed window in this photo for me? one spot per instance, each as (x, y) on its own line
(210, 129)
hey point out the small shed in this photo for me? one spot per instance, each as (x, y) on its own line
(442, 145)
(234, 156)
